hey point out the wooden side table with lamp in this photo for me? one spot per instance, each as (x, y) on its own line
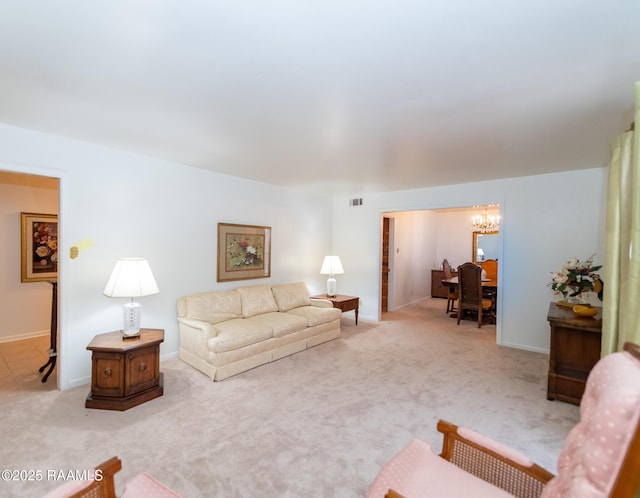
(331, 265)
(125, 372)
(125, 364)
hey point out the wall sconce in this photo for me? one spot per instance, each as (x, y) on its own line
(81, 245)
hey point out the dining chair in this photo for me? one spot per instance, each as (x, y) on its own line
(470, 292)
(600, 457)
(490, 266)
(452, 296)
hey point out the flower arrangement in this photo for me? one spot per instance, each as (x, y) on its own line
(45, 245)
(245, 251)
(576, 277)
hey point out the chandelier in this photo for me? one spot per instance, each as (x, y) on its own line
(486, 222)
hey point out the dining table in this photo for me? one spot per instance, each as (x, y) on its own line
(489, 286)
(487, 283)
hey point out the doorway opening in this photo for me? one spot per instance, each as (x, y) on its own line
(414, 244)
(384, 287)
(28, 306)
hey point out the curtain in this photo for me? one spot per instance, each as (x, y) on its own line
(621, 302)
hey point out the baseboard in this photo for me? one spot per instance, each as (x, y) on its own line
(82, 381)
(417, 300)
(525, 348)
(25, 335)
(170, 356)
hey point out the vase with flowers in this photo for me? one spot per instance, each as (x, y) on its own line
(575, 278)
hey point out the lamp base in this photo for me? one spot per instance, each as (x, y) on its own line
(132, 312)
(331, 287)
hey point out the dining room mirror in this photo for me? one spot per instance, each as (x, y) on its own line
(485, 246)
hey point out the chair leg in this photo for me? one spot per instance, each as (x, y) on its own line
(451, 305)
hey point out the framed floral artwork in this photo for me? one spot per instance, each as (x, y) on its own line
(244, 252)
(39, 241)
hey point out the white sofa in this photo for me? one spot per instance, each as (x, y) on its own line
(223, 333)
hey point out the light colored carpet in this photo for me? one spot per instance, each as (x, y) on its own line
(320, 423)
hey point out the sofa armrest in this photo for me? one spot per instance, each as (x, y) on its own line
(321, 303)
(206, 329)
(492, 461)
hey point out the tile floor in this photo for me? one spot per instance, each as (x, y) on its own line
(19, 364)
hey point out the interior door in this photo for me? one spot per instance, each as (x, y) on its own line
(384, 305)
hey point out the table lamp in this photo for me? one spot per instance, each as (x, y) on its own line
(331, 266)
(131, 278)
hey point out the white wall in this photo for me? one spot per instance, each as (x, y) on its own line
(135, 206)
(25, 308)
(414, 250)
(546, 220)
(455, 236)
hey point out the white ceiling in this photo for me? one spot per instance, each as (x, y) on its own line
(371, 95)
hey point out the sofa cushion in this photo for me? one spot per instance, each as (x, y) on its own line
(237, 333)
(281, 323)
(214, 307)
(315, 315)
(256, 299)
(290, 296)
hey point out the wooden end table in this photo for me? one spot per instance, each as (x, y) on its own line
(344, 303)
(125, 372)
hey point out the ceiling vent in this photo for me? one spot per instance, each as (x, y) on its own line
(355, 202)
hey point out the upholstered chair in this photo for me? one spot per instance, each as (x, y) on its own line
(139, 486)
(600, 458)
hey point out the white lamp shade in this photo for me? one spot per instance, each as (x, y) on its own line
(131, 277)
(331, 266)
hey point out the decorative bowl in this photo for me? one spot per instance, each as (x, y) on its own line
(582, 310)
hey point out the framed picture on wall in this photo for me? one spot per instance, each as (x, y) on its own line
(244, 252)
(39, 243)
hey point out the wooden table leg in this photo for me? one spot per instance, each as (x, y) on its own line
(53, 344)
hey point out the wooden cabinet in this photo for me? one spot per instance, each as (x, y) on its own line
(125, 372)
(573, 351)
(437, 289)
